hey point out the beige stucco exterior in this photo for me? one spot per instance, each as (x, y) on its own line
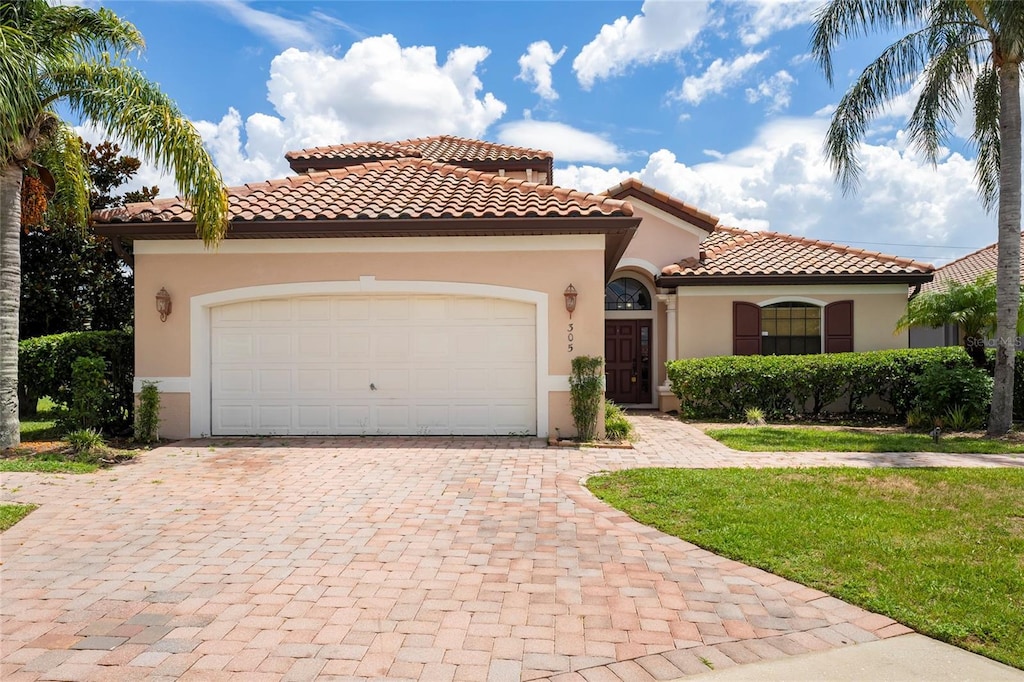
(542, 265)
(705, 314)
(661, 239)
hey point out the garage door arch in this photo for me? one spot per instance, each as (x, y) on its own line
(201, 328)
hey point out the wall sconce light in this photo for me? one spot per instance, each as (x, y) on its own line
(570, 299)
(163, 304)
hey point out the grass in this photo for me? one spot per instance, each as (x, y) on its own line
(43, 425)
(10, 514)
(940, 550)
(798, 439)
(46, 463)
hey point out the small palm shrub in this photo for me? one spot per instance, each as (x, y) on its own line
(959, 418)
(616, 425)
(85, 441)
(755, 416)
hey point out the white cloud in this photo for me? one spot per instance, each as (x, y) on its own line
(775, 90)
(535, 67)
(718, 76)
(564, 141)
(661, 30)
(282, 31)
(780, 181)
(377, 90)
(770, 16)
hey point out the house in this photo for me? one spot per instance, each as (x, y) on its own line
(963, 270)
(436, 286)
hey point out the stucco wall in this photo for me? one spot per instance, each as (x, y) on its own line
(705, 314)
(660, 240)
(544, 264)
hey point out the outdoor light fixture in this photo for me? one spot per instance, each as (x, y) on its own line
(570, 299)
(163, 304)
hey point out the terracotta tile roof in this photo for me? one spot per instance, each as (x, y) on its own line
(393, 189)
(631, 187)
(446, 148)
(731, 252)
(967, 268)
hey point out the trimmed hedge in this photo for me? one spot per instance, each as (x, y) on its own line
(45, 369)
(724, 387)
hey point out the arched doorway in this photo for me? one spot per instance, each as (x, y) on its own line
(629, 341)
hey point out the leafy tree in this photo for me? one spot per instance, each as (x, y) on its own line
(971, 306)
(956, 50)
(74, 57)
(72, 280)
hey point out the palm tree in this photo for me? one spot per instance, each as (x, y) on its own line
(955, 50)
(971, 307)
(74, 57)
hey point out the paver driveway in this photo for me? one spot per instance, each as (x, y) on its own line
(370, 558)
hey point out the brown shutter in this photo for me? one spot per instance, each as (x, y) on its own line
(839, 327)
(746, 328)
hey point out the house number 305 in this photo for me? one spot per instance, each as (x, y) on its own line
(570, 336)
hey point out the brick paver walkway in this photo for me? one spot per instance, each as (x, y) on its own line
(429, 559)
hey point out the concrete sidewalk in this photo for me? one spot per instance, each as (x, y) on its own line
(907, 658)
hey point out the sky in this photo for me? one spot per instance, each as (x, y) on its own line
(719, 104)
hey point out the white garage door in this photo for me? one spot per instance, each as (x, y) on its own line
(403, 364)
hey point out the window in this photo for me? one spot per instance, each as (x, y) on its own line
(626, 293)
(790, 328)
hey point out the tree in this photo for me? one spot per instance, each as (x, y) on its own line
(955, 50)
(71, 279)
(74, 57)
(971, 306)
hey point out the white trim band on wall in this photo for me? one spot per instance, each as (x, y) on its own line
(200, 306)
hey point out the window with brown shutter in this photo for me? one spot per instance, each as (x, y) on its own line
(839, 327)
(746, 328)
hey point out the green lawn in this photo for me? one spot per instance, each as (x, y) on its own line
(48, 463)
(796, 439)
(10, 514)
(940, 550)
(43, 426)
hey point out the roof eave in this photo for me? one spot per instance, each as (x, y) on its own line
(673, 281)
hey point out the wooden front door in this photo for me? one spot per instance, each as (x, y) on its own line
(627, 351)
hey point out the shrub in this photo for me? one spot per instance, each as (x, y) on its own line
(89, 395)
(755, 416)
(147, 414)
(941, 389)
(44, 369)
(85, 441)
(616, 425)
(781, 385)
(586, 390)
(959, 418)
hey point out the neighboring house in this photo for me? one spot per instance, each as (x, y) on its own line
(963, 270)
(423, 287)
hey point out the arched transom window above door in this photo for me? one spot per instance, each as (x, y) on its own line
(626, 293)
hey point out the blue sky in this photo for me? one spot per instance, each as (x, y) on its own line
(716, 103)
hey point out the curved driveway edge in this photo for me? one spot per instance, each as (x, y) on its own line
(432, 559)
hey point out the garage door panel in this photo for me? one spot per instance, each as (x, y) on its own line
(315, 346)
(273, 310)
(351, 308)
(313, 310)
(440, 365)
(275, 347)
(274, 380)
(348, 381)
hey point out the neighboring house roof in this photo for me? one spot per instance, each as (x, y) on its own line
(459, 151)
(631, 187)
(398, 197)
(967, 269)
(733, 256)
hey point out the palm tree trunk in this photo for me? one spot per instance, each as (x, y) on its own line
(1008, 251)
(10, 302)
